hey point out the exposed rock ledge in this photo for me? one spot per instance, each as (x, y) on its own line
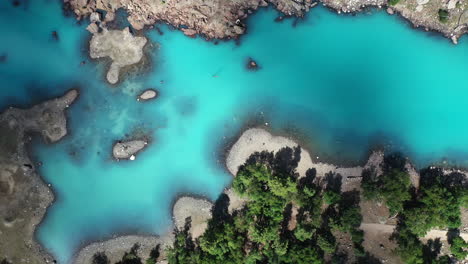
(24, 197)
(120, 46)
(223, 19)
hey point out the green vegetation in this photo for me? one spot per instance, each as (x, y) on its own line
(100, 258)
(392, 187)
(458, 247)
(154, 255)
(393, 2)
(436, 204)
(259, 233)
(132, 256)
(443, 15)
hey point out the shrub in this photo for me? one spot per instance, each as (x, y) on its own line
(443, 15)
(459, 248)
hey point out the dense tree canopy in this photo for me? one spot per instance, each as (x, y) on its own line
(259, 232)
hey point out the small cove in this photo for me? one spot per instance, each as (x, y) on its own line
(345, 83)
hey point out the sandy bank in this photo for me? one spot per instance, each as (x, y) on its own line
(24, 197)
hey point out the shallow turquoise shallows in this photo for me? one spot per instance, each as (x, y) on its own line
(343, 84)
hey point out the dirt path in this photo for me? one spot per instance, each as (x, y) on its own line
(433, 234)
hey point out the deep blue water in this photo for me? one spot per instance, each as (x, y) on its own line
(341, 83)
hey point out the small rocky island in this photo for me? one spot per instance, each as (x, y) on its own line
(120, 46)
(147, 95)
(128, 149)
(24, 197)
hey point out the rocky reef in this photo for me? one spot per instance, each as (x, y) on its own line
(120, 46)
(223, 19)
(23, 195)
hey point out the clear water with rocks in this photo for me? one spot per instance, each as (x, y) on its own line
(341, 83)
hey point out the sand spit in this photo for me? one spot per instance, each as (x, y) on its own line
(221, 19)
(120, 46)
(115, 248)
(24, 197)
(128, 149)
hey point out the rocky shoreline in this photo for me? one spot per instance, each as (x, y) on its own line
(199, 209)
(218, 19)
(24, 197)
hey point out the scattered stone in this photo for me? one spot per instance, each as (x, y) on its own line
(110, 16)
(128, 149)
(93, 28)
(189, 32)
(147, 95)
(452, 4)
(390, 11)
(55, 35)
(454, 40)
(94, 17)
(120, 46)
(252, 65)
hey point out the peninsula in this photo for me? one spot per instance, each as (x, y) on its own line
(24, 197)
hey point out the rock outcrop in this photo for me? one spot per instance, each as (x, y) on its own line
(147, 95)
(120, 46)
(128, 149)
(23, 195)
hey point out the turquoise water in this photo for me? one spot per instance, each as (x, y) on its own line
(341, 83)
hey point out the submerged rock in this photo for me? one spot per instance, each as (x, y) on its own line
(120, 46)
(252, 65)
(147, 95)
(128, 149)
